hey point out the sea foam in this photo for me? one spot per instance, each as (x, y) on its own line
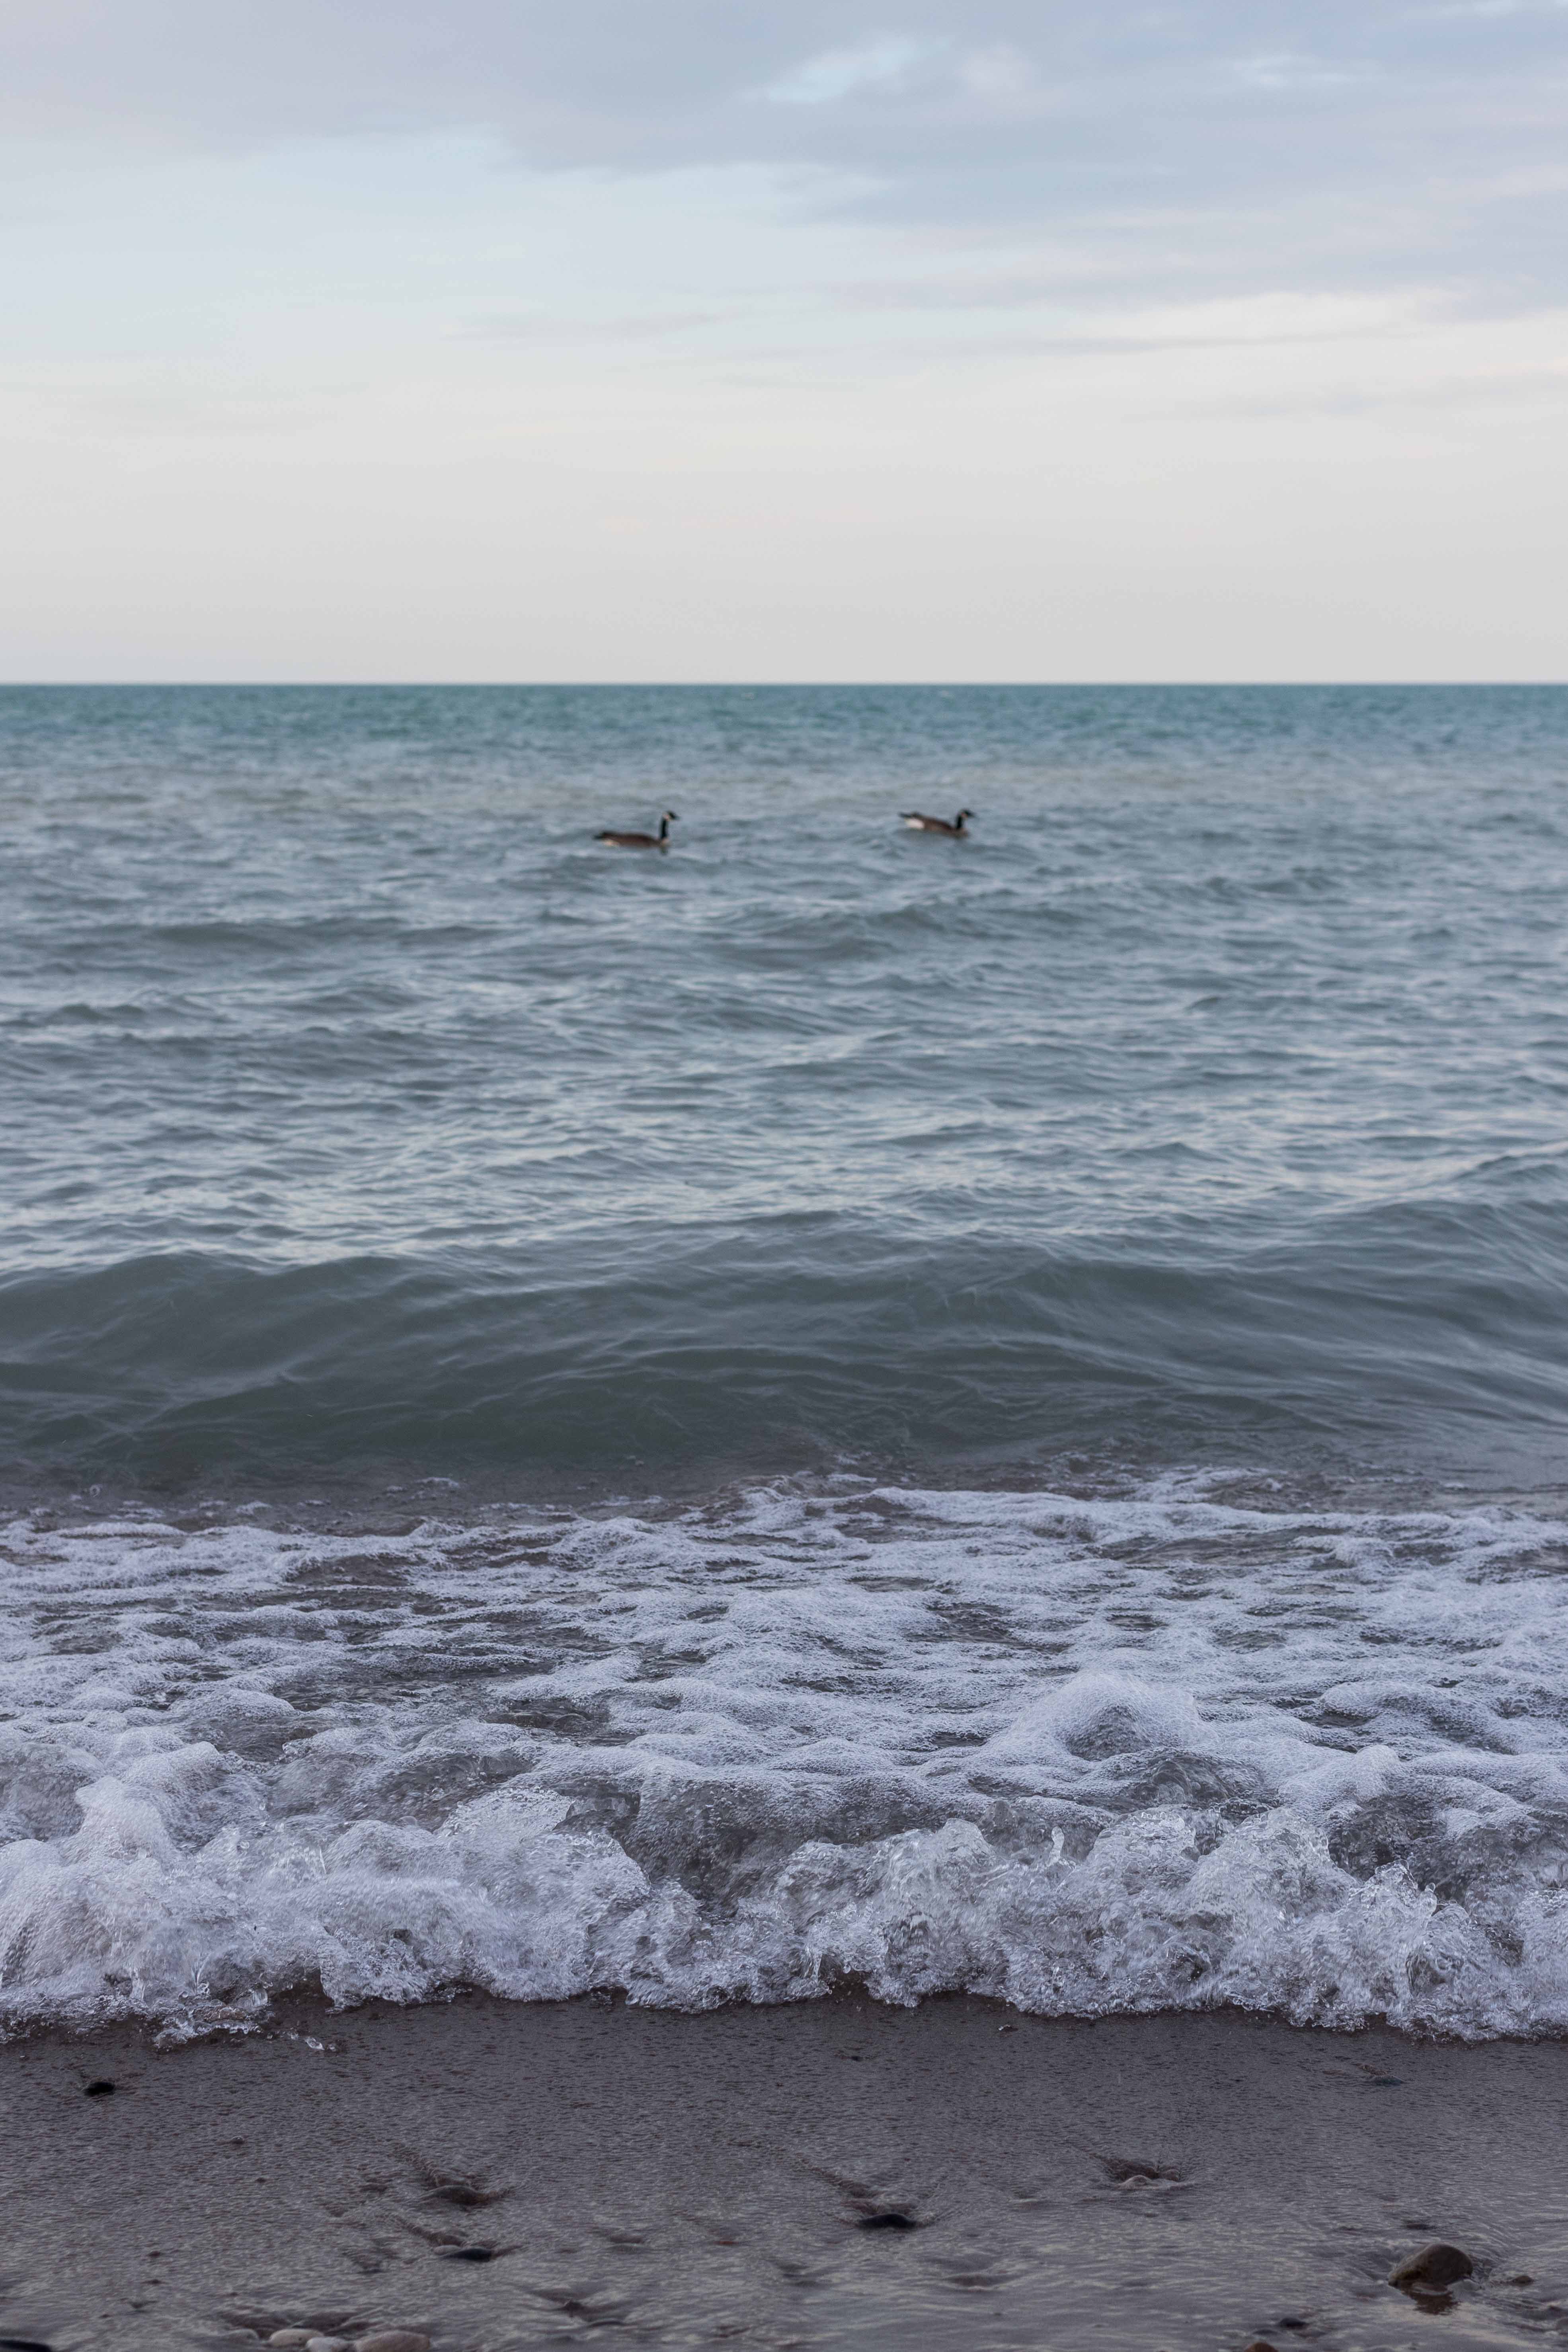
(1084, 1755)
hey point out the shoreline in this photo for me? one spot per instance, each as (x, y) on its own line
(392, 1499)
(501, 2175)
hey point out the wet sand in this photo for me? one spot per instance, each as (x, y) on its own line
(836, 2174)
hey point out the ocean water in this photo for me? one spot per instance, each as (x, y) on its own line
(832, 1406)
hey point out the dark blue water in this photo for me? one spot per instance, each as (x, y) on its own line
(1210, 1103)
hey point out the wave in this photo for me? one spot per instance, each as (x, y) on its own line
(1157, 1751)
(1432, 1325)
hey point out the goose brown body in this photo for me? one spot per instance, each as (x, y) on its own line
(919, 824)
(659, 840)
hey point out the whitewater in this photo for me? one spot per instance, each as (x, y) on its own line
(1153, 1750)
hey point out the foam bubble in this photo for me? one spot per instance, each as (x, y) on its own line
(1084, 1755)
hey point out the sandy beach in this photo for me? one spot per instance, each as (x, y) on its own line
(837, 2173)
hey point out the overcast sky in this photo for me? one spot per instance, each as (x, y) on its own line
(608, 339)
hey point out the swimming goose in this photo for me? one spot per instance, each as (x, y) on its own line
(659, 840)
(918, 823)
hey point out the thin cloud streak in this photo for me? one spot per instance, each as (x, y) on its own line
(657, 326)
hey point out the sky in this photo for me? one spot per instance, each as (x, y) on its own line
(693, 340)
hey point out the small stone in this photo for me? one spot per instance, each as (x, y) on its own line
(295, 2337)
(1434, 2267)
(393, 2339)
(1258, 2344)
(327, 2344)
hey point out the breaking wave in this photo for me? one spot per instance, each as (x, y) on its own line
(1160, 1750)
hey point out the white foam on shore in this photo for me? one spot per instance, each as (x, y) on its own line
(1084, 1755)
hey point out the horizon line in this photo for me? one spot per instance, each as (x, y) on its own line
(748, 686)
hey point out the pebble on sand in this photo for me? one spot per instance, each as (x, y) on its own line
(377, 2339)
(1434, 2267)
(1258, 2344)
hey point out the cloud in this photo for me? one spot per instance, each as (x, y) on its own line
(1538, 387)
(1000, 76)
(1291, 72)
(843, 73)
(1493, 8)
(1343, 143)
(654, 326)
